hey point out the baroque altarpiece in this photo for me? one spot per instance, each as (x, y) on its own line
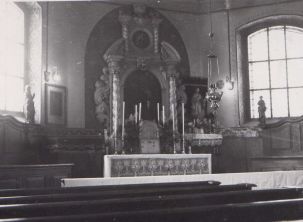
(141, 84)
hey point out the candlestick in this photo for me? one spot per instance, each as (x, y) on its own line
(163, 114)
(173, 116)
(123, 113)
(183, 131)
(158, 113)
(136, 113)
(140, 106)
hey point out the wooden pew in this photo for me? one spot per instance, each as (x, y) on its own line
(38, 191)
(120, 193)
(141, 204)
(289, 209)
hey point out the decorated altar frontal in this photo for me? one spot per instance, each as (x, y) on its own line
(156, 165)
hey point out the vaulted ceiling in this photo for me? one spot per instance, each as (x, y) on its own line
(198, 6)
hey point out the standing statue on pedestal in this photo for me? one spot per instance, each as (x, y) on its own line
(261, 110)
(29, 106)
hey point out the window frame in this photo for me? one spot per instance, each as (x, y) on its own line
(242, 34)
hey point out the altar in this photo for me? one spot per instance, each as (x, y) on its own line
(156, 165)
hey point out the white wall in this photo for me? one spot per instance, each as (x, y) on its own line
(72, 22)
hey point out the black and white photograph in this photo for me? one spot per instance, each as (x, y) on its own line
(151, 110)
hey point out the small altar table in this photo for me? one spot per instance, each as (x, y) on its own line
(156, 164)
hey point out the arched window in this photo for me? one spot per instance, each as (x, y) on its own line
(11, 57)
(275, 68)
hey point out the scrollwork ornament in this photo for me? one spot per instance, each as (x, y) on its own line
(101, 97)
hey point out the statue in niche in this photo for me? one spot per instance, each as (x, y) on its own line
(197, 105)
(101, 97)
(29, 106)
(261, 110)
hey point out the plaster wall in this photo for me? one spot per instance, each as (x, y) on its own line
(71, 24)
(228, 114)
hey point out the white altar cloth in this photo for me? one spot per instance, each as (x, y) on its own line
(263, 180)
(156, 164)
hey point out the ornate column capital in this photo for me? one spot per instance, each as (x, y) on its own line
(170, 70)
(114, 64)
(124, 17)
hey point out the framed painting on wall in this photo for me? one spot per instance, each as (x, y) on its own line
(55, 110)
(191, 85)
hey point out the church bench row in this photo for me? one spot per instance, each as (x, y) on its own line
(289, 209)
(209, 185)
(144, 204)
(94, 192)
(211, 194)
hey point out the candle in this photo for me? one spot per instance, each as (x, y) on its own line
(140, 106)
(123, 111)
(136, 113)
(183, 119)
(163, 115)
(173, 116)
(158, 112)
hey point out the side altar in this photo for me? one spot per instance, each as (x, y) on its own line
(156, 165)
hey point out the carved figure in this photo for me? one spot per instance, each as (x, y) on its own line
(261, 110)
(197, 105)
(29, 106)
(101, 97)
(181, 95)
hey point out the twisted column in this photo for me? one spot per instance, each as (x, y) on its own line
(124, 19)
(155, 23)
(171, 73)
(114, 70)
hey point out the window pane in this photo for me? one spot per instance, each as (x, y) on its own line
(11, 56)
(296, 106)
(2, 90)
(257, 46)
(14, 92)
(279, 103)
(276, 42)
(278, 73)
(294, 40)
(15, 61)
(258, 75)
(295, 72)
(15, 23)
(254, 98)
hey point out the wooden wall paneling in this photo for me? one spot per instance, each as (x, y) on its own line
(254, 147)
(233, 155)
(274, 163)
(301, 136)
(266, 138)
(2, 141)
(295, 137)
(281, 138)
